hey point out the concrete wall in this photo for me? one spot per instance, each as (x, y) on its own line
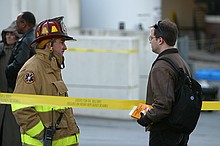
(114, 75)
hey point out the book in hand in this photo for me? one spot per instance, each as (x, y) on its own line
(136, 111)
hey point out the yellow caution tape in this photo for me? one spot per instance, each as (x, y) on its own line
(28, 99)
(211, 105)
(103, 50)
(101, 103)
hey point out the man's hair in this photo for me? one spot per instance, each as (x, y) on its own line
(167, 30)
(29, 18)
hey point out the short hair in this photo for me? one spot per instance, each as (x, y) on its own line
(29, 18)
(167, 30)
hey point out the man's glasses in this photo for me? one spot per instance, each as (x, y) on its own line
(157, 26)
(151, 38)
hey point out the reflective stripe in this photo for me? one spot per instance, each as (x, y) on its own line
(36, 129)
(74, 139)
(15, 107)
(26, 139)
(47, 108)
(37, 108)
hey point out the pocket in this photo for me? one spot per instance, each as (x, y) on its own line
(61, 88)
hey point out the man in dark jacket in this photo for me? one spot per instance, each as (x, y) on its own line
(161, 86)
(22, 51)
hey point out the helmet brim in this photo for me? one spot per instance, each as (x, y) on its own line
(67, 38)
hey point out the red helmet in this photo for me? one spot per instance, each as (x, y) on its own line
(51, 28)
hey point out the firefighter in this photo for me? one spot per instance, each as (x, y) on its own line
(41, 75)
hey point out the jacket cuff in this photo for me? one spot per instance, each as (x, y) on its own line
(36, 130)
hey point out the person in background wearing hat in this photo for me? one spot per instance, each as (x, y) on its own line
(9, 129)
(41, 75)
(25, 24)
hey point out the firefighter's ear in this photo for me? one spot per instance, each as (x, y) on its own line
(48, 46)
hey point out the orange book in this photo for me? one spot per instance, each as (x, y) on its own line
(136, 111)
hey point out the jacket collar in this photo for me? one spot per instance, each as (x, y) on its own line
(44, 56)
(168, 51)
(27, 32)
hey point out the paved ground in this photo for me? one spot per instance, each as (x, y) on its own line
(207, 132)
(110, 132)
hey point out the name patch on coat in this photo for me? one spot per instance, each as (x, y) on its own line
(29, 78)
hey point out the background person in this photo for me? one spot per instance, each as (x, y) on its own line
(9, 129)
(25, 24)
(41, 75)
(161, 86)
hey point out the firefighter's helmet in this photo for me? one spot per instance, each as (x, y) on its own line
(51, 28)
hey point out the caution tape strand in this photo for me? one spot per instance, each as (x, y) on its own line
(96, 50)
(75, 102)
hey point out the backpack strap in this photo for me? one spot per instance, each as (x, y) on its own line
(168, 60)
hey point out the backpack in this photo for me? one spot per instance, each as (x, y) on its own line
(188, 101)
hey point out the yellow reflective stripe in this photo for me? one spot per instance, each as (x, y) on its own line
(74, 139)
(15, 107)
(36, 129)
(47, 108)
(26, 139)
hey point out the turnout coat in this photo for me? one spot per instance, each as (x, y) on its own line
(42, 76)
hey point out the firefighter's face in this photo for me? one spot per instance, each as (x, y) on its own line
(59, 46)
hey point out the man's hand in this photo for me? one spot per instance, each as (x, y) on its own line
(144, 120)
